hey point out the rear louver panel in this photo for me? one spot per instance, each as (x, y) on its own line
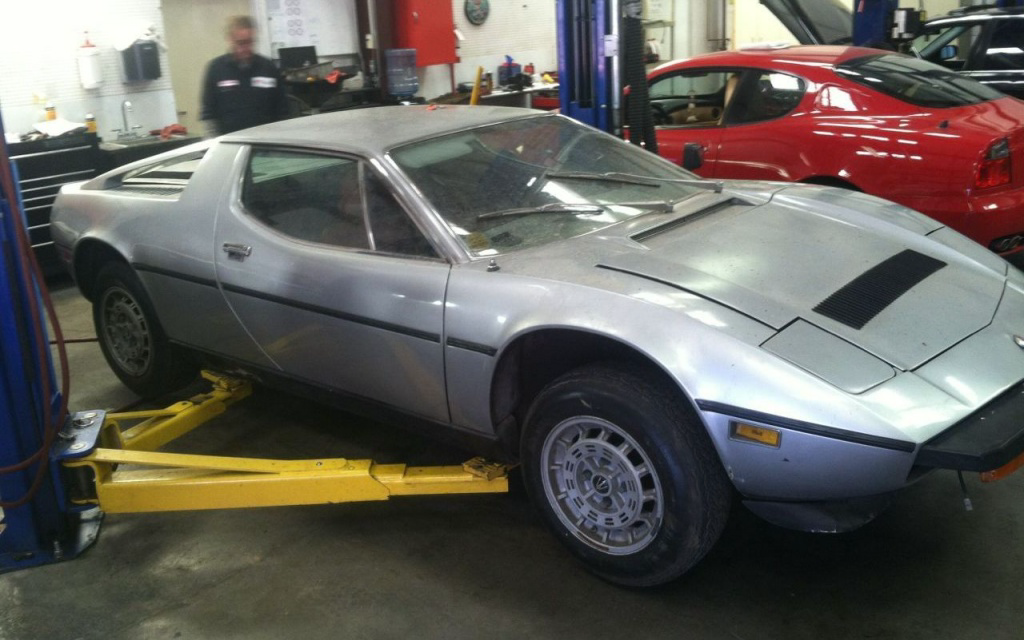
(868, 294)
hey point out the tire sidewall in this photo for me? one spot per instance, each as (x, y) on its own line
(664, 433)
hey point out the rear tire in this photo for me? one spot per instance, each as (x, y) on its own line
(130, 335)
(624, 475)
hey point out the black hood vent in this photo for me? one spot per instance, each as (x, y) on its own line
(871, 292)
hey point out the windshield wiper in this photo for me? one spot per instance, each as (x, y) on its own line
(661, 206)
(551, 207)
(610, 176)
(629, 178)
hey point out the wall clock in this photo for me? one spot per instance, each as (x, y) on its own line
(477, 10)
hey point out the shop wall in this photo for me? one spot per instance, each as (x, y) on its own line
(39, 45)
(525, 30)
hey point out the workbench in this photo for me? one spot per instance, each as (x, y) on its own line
(524, 98)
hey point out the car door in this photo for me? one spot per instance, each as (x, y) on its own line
(688, 108)
(760, 133)
(333, 280)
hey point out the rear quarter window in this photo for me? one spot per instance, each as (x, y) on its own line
(915, 81)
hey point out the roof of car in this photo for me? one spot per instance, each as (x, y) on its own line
(774, 57)
(977, 14)
(375, 130)
(984, 10)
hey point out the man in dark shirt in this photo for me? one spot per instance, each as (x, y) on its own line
(241, 88)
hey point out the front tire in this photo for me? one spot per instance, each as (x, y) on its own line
(131, 337)
(624, 475)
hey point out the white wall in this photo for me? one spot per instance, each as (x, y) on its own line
(524, 29)
(38, 57)
(38, 48)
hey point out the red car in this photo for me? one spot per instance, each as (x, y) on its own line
(888, 124)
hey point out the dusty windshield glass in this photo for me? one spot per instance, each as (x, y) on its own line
(537, 180)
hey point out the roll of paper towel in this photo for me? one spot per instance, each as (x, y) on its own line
(89, 71)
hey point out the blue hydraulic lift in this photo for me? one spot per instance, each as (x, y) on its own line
(36, 526)
(600, 50)
(588, 88)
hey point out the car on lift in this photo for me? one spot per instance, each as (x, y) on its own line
(869, 120)
(983, 42)
(646, 343)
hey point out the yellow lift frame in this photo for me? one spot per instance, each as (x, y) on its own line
(120, 470)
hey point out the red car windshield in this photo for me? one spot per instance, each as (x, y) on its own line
(915, 81)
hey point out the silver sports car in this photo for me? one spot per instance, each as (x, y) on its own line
(649, 345)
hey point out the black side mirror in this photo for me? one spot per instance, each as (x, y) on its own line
(948, 52)
(693, 156)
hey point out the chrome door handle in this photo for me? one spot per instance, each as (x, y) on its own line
(236, 250)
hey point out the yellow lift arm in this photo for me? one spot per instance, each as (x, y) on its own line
(121, 471)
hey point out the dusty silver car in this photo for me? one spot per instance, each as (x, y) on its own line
(649, 345)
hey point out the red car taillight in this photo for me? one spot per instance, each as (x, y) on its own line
(995, 166)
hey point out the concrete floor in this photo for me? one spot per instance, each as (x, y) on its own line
(484, 567)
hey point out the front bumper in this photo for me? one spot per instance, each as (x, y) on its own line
(987, 439)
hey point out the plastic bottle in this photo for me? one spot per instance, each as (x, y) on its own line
(90, 72)
(50, 111)
(90, 123)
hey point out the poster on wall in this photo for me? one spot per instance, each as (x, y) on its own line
(328, 25)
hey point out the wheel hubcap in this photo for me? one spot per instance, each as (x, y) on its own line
(602, 485)
(126, 332)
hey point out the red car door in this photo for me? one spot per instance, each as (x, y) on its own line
(757, 141)
(689, 109)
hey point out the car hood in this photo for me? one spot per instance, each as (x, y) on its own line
(854, 266)
(814, 21)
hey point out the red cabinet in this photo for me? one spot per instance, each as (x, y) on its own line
(427, 26)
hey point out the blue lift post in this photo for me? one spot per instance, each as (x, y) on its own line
(872, 21)
(583, 75)
(35, 524)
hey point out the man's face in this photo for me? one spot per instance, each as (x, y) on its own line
(241, 44)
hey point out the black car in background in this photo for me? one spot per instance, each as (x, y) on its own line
(983, 42)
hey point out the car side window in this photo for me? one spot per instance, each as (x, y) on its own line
(696, 98)
(390, 226)
(765, 97)
(306, 196)
(1006, 46)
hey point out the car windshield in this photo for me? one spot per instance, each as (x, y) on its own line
(532, 181)
(916, 81)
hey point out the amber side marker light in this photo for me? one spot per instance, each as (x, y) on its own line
(760, 435)
(1003, 471)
